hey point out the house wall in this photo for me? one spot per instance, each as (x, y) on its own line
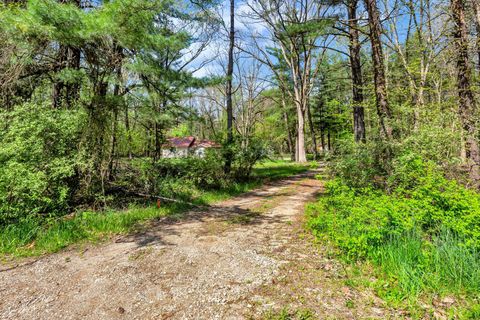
(200, 152)
(175, 152)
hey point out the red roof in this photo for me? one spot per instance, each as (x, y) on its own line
(185, 142)
(207, 144)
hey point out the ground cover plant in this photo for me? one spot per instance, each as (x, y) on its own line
(421, 232)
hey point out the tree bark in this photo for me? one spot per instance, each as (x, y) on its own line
(383, 108)
(157, 144)
(322, 139)
(58, 86)
(72, 89)
(359, 131)
(467, 107)
(116, 93)
(290, 142)
(129, 134)
(329, 141)
(476, 6)
(312, 132)
(229, 88)
(301, 155)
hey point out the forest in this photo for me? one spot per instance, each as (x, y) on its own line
(98, 97)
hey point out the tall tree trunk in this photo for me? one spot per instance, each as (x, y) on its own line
(312, 132)
(322, 125)
(113, 142)
(383, 108)
(290, 142)
(322, 139)
(72, 89)
(58, 85)
(129, 134)
(467, 107)
(158, 132)
(476, 6)
(359, 131)
(359, 124)
(301, 155)
(116, 94)
(229, 89)
(94, 139)
(157, 144)
(329, 141)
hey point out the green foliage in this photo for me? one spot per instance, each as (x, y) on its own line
(245, 156)
(37, 161)
(419, 197)
(423, 230)
(182, 130)
(33, 236)
(364, 160)
(180, 177)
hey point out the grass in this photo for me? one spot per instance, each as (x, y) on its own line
(288, 314)
(421, 278)
(262, 173)
(33, 237)
(444, 266)
(416, 269)
(442, 273)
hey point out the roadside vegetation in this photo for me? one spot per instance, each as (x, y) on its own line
(415, 231)
(33, 235)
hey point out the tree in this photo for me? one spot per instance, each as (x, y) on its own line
(229, 88)
(249, 98)
(424, 41)
(476, 7)
(356, 71)
(467, 105)
(383, 108)
(297, 33)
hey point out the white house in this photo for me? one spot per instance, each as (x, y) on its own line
(183, 147)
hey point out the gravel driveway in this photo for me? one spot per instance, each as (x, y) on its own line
(233, 262)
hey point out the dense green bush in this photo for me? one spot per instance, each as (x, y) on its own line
(374, 161)
(37, 161)
(422, 229)
(418, 197)
(177, 177)
(366, 161)
(183, 177)
(245, 156)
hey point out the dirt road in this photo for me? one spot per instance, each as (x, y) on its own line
(243, 260)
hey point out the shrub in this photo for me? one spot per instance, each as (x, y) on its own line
(37, 161)
(358, 220)
(176, 177)
(366, 160)
(420, 197)
(423, 230)
(246, 156)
